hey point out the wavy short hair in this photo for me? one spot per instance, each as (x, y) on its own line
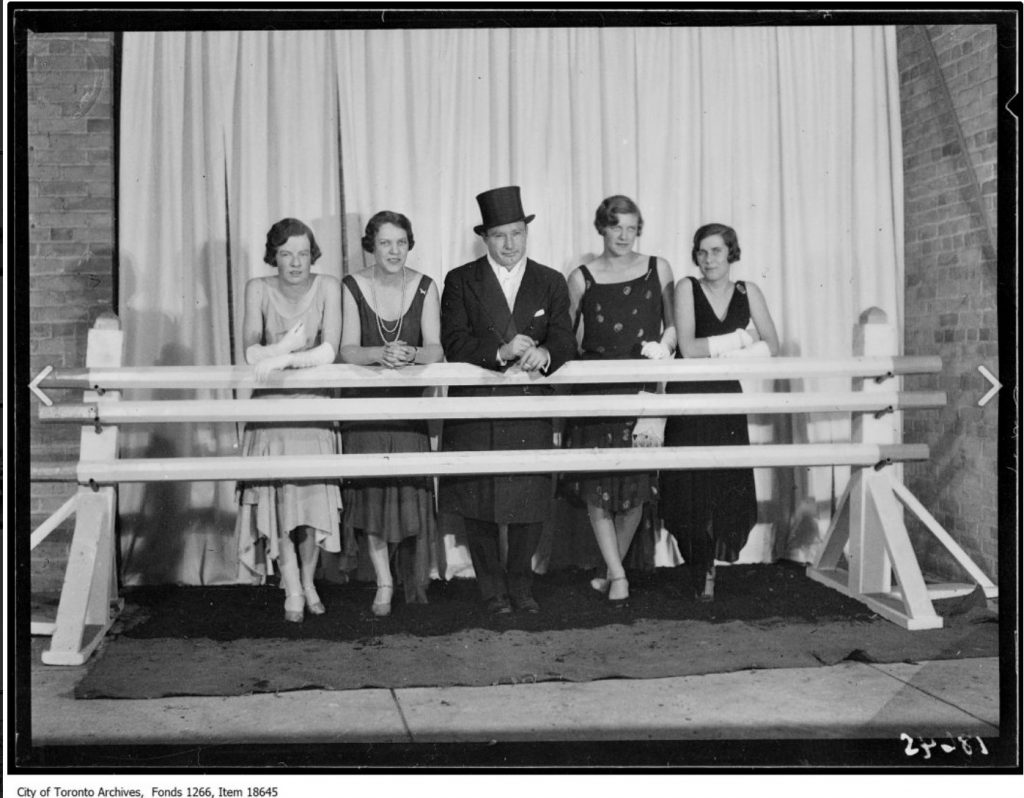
(381, 218)
(281, 232)
(608, 213)
(715, 229)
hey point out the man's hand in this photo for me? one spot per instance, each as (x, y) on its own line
(535, 358)
(516, 348)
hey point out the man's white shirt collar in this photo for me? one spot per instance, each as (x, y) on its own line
(509, 279)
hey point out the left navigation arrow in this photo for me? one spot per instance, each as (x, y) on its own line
(34, 386)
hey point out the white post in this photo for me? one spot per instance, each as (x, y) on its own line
(870, 569)
(88, 599)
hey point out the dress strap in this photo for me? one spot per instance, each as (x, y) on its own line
(588, 280)
(352, 284)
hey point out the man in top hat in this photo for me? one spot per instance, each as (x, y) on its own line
(506, 313)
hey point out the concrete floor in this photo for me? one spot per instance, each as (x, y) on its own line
(849, 700)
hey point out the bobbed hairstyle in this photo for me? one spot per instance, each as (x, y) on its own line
(608, 213)
(381, 218)
(715, 229)
(281, 232)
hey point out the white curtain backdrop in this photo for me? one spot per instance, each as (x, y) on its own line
(791, 135)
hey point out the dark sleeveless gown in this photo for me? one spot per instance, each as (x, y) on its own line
(401, 511)
(617, 319)
(711, 512)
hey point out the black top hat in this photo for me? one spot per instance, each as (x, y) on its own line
(500, 206)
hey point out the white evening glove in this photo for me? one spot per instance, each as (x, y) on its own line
(756, 349)
(655, 350)
(290, 341)
(737, 339)
(267, 365)
(317, 356)
(649, 430)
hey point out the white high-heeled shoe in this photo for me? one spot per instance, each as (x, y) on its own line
(313, 602)
(382, 601)
(293, 606)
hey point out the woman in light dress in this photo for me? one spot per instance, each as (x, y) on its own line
(292, 320)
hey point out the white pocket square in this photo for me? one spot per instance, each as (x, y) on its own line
(539, 313)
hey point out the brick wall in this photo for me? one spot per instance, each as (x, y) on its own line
(951, 278)
(71, 239)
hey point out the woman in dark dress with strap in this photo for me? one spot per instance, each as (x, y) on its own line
(711, 512)
(391, 316)
(624, 301)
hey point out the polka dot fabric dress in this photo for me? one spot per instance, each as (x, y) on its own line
(617, 319)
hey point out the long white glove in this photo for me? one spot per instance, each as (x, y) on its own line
(756, 349)
(317, 356)
(649, 430)
(290, 341)
(655, 350)
(737, 339)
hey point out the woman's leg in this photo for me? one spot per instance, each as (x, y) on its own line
(288, 564)
(603, 524)
(380, 558)
(309, 555)
(626, 525)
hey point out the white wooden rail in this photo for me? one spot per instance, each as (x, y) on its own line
(867, 531)
(429, 408)
(339, 375)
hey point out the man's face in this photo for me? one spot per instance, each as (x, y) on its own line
(507, 243)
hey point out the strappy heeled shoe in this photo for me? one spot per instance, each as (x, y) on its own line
(382, 601)
(293, 606)
(600, 584)
(313, 602)
(621, 601)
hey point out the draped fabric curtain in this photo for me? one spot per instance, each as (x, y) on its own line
(791, 135)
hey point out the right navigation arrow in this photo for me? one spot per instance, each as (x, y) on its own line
(996, 385)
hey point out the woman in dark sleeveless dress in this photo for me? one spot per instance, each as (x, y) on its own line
(711, 512)
(391, 317)
(624, 301)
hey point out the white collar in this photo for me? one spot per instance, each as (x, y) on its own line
(498, 268)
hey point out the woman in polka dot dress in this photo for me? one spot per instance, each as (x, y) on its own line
(621, 309)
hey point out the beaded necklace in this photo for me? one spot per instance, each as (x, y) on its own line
(382, 327)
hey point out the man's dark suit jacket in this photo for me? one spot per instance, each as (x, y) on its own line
(475, 322)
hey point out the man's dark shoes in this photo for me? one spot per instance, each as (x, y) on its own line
(499, 606)
(526, 604)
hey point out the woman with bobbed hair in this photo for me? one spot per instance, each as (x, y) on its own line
(392, 319)
(711, 512)
(292, 320)
(624, 301)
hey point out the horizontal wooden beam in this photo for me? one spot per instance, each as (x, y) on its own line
(370, 409)
(579, 371)
(354, 466)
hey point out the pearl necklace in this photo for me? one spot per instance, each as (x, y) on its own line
(382, 328)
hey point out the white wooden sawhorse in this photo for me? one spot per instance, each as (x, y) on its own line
(868, 524)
